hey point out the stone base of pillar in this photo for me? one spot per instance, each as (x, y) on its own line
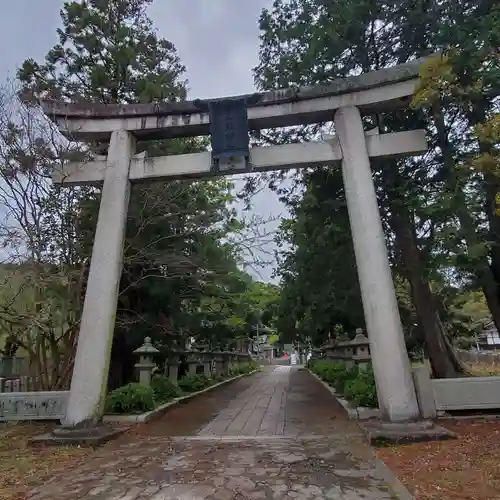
(381, 433)
(89, 434)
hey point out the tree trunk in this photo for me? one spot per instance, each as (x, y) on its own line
(443, 359)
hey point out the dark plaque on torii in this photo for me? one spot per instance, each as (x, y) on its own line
(229, 131)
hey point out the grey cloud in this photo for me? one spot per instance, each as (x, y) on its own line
(217, 41)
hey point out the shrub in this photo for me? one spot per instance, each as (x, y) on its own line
(328, 371)
(253, 365)
(311, 362)
(362, 390)
(334, 374)
(164, 389)
(131, 398)
(344, 378)
(356, 385)
(194, 383)
(247, 367)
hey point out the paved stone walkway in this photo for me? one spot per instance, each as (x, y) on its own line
(278, 434)
(257, 411)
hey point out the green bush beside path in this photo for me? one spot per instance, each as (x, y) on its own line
(357, 386)
(135, 398)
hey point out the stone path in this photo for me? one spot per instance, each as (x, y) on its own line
(259, 410)
(277, 435)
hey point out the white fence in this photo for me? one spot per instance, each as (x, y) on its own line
(467, 393)
(50, 405)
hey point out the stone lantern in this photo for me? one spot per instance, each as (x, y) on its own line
(145, 364)
(361, 349)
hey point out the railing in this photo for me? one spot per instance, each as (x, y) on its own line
(24, 383)
(471, 393)
(20, 401)
(50, 405)
(467, 393)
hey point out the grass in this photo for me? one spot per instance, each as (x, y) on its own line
(22, 467)
(483, 369)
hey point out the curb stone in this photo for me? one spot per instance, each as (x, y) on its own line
(396, 486)
(143, 418)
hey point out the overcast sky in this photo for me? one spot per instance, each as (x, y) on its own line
(217, 40)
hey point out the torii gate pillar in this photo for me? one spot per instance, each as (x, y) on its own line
(395, 388)
(90, 373)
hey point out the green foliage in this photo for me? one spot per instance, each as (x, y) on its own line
(194, 383)
(273, 339)
(465, 312)
(317, 266)
(344, 378)
(327, 370)
(107, 52)
(164, 389)
(248, 367)
(232, 307)
(220, 377)
(131, 399)
(243, 368)
(358, 386)
(361, 390)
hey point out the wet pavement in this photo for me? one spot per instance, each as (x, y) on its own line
(278, 434)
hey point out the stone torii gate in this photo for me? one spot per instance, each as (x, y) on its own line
(342, 101)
